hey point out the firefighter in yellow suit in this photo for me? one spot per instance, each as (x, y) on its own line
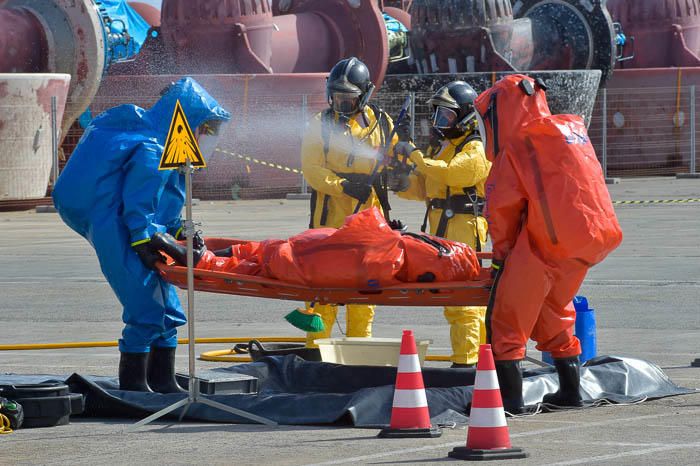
(450, 178)
(340, 149)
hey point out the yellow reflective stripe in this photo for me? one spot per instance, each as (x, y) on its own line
(143, 241)
(495, 266)
(177, 233)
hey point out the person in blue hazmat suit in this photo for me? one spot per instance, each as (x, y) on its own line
(112, 193)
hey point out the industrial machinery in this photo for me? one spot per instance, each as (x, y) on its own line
(459, 36)
(267, 60)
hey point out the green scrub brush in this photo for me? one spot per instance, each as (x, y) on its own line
(306, 320)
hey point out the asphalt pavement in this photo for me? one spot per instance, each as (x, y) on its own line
(646, 296)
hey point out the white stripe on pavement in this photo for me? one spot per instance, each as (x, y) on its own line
(409, 363)
(410, 399)
(612, 456)
(533, 433)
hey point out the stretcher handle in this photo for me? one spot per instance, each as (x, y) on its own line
(483, 281)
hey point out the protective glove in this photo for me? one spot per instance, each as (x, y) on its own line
(496, 267)
(403, 129)
(148, 255)
(197, 240)
(359, 191)
(404, 148)
(398, 180)
(399, 226)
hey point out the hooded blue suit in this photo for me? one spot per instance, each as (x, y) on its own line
(112, 194)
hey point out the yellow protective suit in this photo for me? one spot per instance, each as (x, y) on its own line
(443, 168)
(352, 150)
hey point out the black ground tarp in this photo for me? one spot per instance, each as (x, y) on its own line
(294, 391)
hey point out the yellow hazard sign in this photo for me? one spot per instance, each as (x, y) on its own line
(180, 144)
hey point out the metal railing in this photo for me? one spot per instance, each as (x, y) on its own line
(645, 132)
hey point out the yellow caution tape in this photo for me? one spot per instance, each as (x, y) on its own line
(658, 201)
(248, 158)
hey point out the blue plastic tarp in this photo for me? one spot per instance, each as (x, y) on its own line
(125, 17)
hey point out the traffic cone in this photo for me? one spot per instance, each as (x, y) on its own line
(487, 437)
(410, 417)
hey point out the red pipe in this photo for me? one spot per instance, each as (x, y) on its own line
(249, 37)
(23, 45)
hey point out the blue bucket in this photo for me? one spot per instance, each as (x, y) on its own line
(585, 331)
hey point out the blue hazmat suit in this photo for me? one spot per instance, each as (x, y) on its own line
(112, 194)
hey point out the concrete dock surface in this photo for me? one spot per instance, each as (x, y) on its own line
(646, 296)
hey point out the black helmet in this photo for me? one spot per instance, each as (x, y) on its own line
(453, 105)
(350, 78)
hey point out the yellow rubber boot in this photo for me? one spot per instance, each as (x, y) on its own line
(359, 318)
(467, 332)
(328, 313)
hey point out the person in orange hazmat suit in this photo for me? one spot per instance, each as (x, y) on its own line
(550, 218)
(364, 253)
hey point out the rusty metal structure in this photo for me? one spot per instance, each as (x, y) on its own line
(259, 59)
(266, 58)
(648, 106)
(458, 36)
(261, 37)
(666, 32)
(56, 36)
(256, 49)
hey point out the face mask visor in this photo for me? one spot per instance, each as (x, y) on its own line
(345, 103)
(444, 118)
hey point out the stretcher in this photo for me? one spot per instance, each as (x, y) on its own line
(471, 293)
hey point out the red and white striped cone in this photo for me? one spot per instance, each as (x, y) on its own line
(487, 437)
(410, 417)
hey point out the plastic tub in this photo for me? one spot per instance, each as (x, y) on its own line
(366, 351)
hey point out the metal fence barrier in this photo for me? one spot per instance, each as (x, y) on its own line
(636, 132)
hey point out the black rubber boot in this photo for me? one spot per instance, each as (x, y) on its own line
(169, 245)
(132, 372)
(568, 394)
(161, 370)
(510, 381)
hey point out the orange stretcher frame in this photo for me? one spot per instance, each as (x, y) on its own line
(471, 293)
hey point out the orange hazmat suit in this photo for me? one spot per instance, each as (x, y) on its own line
(364, 253)
(550, 216)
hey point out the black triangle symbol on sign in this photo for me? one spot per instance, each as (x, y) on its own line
(180, 144)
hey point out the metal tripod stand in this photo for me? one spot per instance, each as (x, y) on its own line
(193, 395)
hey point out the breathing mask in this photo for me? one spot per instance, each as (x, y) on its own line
(345, 103)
